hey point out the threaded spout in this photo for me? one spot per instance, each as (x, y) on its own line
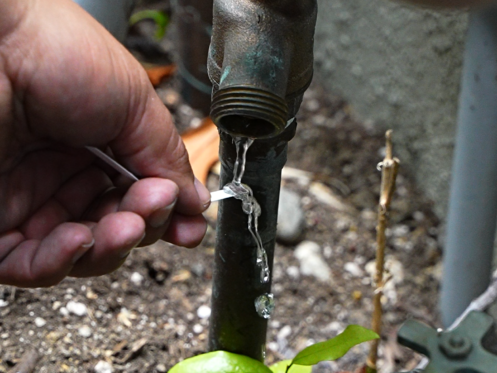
(249, 111)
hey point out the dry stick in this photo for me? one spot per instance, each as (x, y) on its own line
(389, 169)
(28, 362)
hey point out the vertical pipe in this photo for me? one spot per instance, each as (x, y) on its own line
(194, 22)
(112, 14)
(235, 325)
(473, 196)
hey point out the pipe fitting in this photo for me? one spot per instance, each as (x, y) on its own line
(248, 111)
(260, 63)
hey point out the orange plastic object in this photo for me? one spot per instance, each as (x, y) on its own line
(202, 145)
(157, 73)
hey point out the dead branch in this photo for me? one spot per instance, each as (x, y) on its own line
(389, 169)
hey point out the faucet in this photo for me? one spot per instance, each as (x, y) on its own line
(260, 64)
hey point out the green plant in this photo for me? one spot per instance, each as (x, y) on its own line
(226, 362)
(161, 20)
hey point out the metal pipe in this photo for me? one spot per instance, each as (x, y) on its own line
(235, 325)
(112, 14)
(472, 212)
(194, 23)
(260, 64)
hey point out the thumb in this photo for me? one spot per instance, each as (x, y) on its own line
(151, 147)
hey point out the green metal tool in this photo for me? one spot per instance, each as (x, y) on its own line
(457, 351)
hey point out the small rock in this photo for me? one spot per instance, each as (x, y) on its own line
(325, 195)
(136, 278)
(293, 272)
(40, 322)
(63, 311)
(56, 305)
(169, 97)
(197, 328)
(291, 219)
(85, 331)
(103, 367)
(400, 230)
(161, 368)
(204, 312)
(77, 308)
(312, 104)
(3, 303)
(334, 327)
(284, 333)
(311, 262)
(353, 269)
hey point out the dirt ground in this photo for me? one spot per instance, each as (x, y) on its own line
(151, 313)
(145, 316)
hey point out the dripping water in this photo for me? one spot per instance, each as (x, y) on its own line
(250, 206)
(264, 305)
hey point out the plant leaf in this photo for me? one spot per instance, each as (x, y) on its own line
(220, 362)
(282, 366)
(160, 18)
(334, 348)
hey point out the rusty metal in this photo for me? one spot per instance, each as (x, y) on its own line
(260, 63)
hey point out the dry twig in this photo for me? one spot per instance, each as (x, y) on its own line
(389, 169)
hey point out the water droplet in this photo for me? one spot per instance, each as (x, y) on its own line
(264, 305)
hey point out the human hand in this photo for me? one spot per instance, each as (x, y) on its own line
(65, 83)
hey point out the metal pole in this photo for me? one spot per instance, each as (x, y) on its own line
(235, 325)
(473, 196)
(260, 63)
(112, 14)
(194, 22)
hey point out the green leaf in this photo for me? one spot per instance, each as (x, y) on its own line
(220, 362)
(160, 18)
(282, 367)
(336, 347)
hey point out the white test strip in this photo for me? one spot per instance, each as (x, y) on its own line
(112, 162)
(215, 196)
(219, 195)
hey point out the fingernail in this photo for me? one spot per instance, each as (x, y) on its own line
(126, 253)
(160, 217)
(82, 250)
(203, 194)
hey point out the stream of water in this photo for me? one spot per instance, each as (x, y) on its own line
(264, 304)
(250, 206)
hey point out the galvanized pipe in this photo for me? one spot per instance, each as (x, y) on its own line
(235, 325)
(112, 14)
(260, 64)
(473, 196)
(194, 23)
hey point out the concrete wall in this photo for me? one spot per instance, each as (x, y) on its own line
(400, 67)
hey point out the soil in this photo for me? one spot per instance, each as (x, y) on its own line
(145, 316)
